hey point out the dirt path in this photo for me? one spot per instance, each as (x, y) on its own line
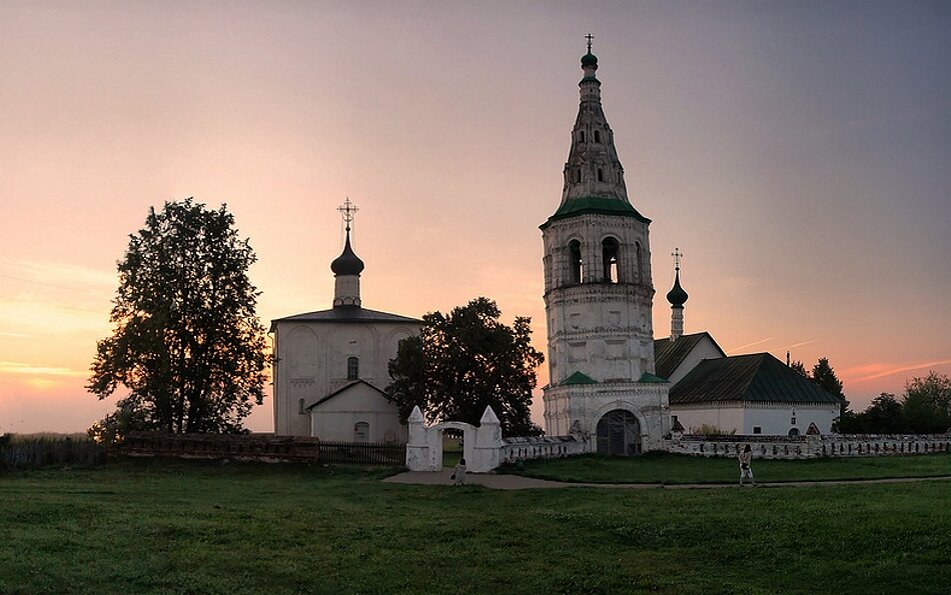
(518, 482)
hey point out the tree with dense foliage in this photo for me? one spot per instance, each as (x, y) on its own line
(187, 343)
(927, 404)
(467, 360)
(799, 368)
(824, 377)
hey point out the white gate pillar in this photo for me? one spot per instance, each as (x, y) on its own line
(486, 452)
(421, 452)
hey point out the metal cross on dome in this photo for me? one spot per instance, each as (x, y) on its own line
(677, 254)
(347, 211)
(589, 37)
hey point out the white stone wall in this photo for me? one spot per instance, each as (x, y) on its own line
(774, 419)
(586, 404)
(726, 419)
(336, 419)
(312, 363)
(810, 447)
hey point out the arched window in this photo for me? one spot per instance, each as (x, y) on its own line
(581, 136)
(597, 136)
(361, 432)
(793, 432)
(609, 251)
(300, 406)
(640, 262)
(600, 175)
(353, 368)
(575, 266)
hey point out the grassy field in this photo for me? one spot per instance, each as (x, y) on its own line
(674, 469)
(152, 526)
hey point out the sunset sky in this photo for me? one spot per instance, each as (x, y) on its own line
(798, 153)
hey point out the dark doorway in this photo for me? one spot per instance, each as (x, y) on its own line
(619, 434)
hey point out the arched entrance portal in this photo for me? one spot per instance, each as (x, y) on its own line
(619, 434)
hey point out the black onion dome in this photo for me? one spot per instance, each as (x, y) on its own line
(589, 59)
(677, 296)
(347, 263)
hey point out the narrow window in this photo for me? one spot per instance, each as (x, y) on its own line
(757, 430)
(300, 406)
(353, 368)
(361, 432)
(581, 136)
(600, 175)
(597, 136)
(640, 262)
(577, 175)
(609, 251)
(575, 266)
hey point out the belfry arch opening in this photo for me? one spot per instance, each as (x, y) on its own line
(575, 264)
(609, 252)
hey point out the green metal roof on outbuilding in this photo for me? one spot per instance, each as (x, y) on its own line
(758, 377)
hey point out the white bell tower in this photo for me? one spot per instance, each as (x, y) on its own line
(599, 294)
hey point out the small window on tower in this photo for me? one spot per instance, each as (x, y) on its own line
(600, 175)
(609, 251)
(577, 175)
(353, 368)
(597, 136)
(575, 266)
(757, 430)
(581, 136)
(300, 406)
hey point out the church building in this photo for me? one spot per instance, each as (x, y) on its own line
(598, 296)
(608, 376)
(742, 394)
(330, 366)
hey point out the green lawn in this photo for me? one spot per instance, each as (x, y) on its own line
(147, 526)
(673, 469)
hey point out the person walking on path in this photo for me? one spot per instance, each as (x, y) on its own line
(458, 476)
(746, 460)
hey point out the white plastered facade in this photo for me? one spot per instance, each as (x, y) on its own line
(772, 419)
(312, 362)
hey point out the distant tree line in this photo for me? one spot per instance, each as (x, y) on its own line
(924, 408)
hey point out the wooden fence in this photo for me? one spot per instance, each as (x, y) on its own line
(49, 452)
(262, 447)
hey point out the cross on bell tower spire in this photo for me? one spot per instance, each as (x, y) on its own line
(677, 254)
(589, 37)
(347, 211)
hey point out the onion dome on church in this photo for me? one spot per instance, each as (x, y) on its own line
(589, 59)
(347, 263)
(677, 296)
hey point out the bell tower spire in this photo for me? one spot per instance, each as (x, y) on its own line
(598, 288)
(348, 266)
(677, 298)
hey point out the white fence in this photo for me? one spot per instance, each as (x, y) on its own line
(811, 447)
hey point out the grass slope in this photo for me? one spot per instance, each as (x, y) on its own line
(154, 527)
(674, 469)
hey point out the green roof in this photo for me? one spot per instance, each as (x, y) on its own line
(757, 377)
(649, 378)
(595, 204)
(577, 378)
